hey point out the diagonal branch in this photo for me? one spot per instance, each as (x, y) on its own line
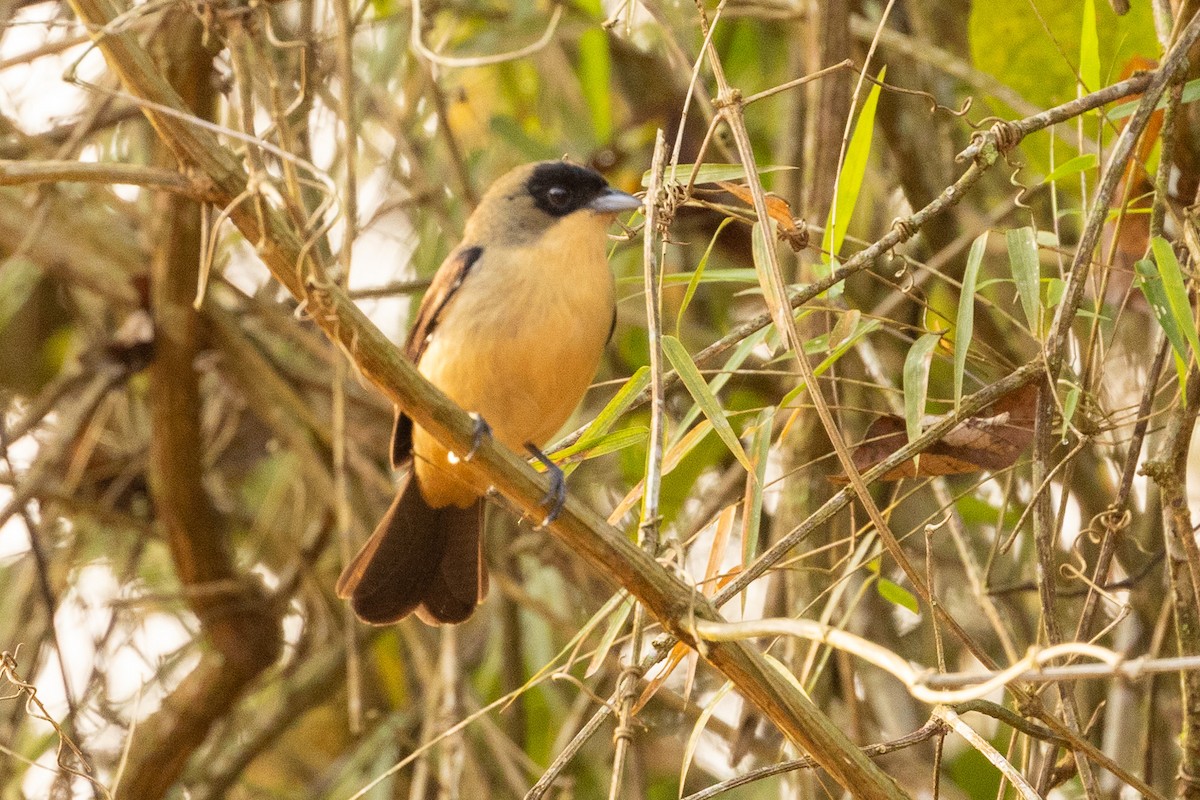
(667, 598)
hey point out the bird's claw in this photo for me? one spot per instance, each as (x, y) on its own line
(556, 495)
(480, 432)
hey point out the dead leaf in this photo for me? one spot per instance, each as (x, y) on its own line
(778, 210)
(991, 440)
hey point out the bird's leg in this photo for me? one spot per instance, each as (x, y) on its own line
(480, 432)
(556, 495)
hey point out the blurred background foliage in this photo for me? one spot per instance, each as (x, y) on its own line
(157, 456)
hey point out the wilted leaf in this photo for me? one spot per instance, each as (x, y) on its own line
(777, 209)
(992, 440)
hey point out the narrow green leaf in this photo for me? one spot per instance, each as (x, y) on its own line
(691, 378)
(1089, 48)
(1069, 406)
(1026, 270)
(863, 329)
(614, 408)
(595, 72)
(845, 326)
(735, 360)
(964, 325)
(1176, 291)
(760, 447)
(712, 173)
(1055, 289)
(1191, 93)
(611, 632)
(730, 275)
(762, 238)
(897, 595)
(916, 382)
(698, 274)
(854, 168)
(18, 278)
(600, 446)
(1073, 167)
(1152, 287)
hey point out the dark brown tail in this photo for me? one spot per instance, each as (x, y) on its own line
(419, 559)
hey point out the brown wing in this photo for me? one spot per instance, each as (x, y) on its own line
(446, 280)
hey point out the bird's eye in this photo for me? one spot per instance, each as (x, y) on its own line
(558, 197)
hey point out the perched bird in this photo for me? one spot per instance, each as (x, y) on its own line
(512, 329)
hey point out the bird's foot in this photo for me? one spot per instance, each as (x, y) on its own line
(480, 432)
(556, 495)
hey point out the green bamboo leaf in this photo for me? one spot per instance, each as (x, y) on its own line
(762, 238)
(1176, 292)
(863, 329)
(1191, 93)
(615, 407)
(713, 173)
(1089, 48)
(1072, 167)
(1026, 270)
(896, 594)
(611, 631)
(1055, 289)
(735, 360)
(760, 448)
(729, 275)
(595, 74)
(570, 457)
(1069, 405)
(691, 378)
(18, 278)
(1151, 285)
(854, 168)
(964, 325)
(698, 275)
(916, 382)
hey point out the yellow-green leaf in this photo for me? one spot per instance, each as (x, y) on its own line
(854, 168)
(1026, 271)
(964, 325)
(714, 173)
(916, 382)
(839, 351)
(698, 274)
(1176, 292)
(735, 360)
(595, 70)
(760, 447)
(1072, 167)
(1089, 48)
(897, 595)
(691, 378)
(1152, 287)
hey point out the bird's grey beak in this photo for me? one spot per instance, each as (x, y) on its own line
(613, 201)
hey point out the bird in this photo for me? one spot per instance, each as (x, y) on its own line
(512, 329)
